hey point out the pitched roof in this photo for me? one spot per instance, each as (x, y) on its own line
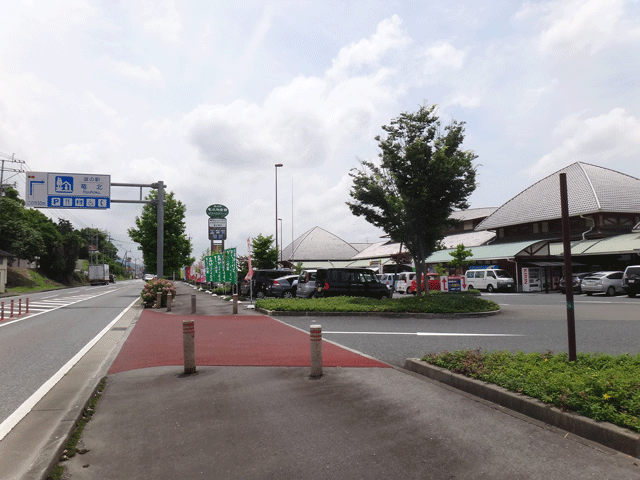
(318, 244)
(5, 254)
(590, 189)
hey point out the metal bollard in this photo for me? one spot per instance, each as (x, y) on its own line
(19, 306)
(2, 315)
(27, 305)
(189, 345)
(316, 350)
(11, 315)
(193, 304)
(235, 303)
(159, 300)
(169, 300)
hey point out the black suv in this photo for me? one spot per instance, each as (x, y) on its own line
(261, 279)
(631, 280)
(353, 282)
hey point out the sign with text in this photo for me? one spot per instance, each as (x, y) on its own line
(217, 228)
(68, 190)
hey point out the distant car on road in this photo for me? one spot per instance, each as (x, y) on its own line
(147, 277)
(609, 283)
(112, 278)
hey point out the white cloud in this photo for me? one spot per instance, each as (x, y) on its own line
(165, 20)
(149, 75)
(369, 52)
(611, 139)
(580, 25)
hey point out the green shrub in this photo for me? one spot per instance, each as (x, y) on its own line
(598, 386)
(430, 303)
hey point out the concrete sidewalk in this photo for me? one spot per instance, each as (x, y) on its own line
(274, 422)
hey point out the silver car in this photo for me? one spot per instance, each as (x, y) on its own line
(609, 283)
(306, 284)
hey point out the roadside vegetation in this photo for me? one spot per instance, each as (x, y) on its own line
(23, 280)
(430, 303)
(598, 386)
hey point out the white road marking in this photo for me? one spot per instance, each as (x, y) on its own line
(433, 334)
(13, 419)
(55, 306)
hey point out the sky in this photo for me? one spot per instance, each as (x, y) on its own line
(208, 96)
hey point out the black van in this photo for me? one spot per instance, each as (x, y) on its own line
(352, 282)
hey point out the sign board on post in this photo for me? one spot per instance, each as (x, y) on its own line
(217, 228)
(217, 211)
(68, 190)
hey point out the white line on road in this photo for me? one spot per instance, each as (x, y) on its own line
(432, 334)
(13, 419)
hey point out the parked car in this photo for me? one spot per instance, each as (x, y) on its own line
(404, 281)
(609, 283)
(489, 279)
(148, 277)
(390, 280)
(306, 284)
(631, 280)
(433, 282)
(261, 278)
(577, 282)
(353, 282)
(283, 287)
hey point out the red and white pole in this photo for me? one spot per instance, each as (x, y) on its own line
(19, 306)
(11, 315)
(27, 305)
(2, 314)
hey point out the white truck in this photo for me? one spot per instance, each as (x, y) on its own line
(99, 274)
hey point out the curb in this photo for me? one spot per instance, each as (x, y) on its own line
(301, 313)
(604, 433)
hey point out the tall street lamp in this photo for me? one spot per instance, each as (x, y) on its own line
(281, 239)
(277, 165)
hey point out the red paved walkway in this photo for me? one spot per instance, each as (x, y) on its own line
(251, 340)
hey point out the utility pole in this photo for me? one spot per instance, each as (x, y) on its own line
(15, 170)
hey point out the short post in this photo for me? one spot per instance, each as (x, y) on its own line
(19, 306)
(27, 305)
(235, 303)
(159, 300)
(169, 300)
(316, 350)
(193, 304)
(11, 315)
(2, 315)
(188, 338)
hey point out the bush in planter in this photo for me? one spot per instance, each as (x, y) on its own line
(153, 287)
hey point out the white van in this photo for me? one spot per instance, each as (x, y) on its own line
(489, 279)
(404, 281)
(390, 280)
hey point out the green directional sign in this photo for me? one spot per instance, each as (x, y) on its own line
(217, 211)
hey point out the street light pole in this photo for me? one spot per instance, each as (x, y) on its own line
(277, 165)
(281, 239)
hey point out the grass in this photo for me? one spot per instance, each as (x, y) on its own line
(431, 303)
(23, 280)
(71, 448)
(598, 386)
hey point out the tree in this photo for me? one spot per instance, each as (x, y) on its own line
(177, 247)
(100, 239)
(263, 254)
(459, 256)
(422, 178)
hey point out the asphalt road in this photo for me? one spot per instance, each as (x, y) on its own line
(34, 347)
(527, 322)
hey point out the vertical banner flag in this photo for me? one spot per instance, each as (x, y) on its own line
(208, 268)
(250, 272)
(230, 266)
(218, 268)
